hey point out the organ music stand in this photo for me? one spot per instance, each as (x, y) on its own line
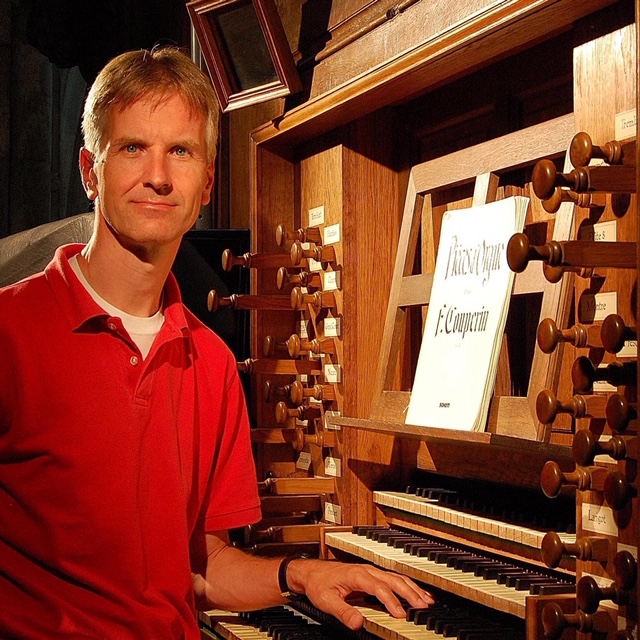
(482, 164)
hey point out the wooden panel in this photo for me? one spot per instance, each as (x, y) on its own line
(238, 148)
(342, 94)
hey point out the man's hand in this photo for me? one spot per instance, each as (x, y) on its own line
(328, 583)
(240, 582)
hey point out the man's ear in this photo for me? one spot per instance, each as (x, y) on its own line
(88, 174)
(206, 192)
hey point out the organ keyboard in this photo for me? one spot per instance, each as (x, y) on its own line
(429, 508)
(476, 550)
(449, 618)
(503, 586)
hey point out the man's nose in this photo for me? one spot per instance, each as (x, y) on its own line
(157, 175)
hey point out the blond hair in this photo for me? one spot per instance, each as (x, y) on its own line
(157, 73)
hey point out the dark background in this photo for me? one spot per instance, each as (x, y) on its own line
(51, 51)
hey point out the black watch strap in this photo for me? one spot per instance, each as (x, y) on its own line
(282, 575)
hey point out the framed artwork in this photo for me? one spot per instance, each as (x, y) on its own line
(245, 49)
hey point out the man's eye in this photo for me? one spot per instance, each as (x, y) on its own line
(181, 151)
(131, 148)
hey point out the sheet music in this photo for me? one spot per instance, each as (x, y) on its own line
(466, 317)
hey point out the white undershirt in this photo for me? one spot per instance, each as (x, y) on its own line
(143, 331)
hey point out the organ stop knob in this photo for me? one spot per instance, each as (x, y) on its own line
(584, 374)
(549, 335)
(548, 406)
(552, 478)
(586, 447)
(582, 151)
(614, 333)
(620, 412)
(586, 548)
(589, 594)
(600, 179)
(570, 253)
(555, 621)
(618, 491)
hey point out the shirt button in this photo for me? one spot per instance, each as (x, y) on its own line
(134, 360)
(112, 326)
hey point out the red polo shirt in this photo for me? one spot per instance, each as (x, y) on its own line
(111, 467)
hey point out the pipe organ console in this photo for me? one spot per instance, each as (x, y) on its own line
(529, 530)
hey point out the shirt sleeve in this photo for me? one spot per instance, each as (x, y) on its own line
(234, 500)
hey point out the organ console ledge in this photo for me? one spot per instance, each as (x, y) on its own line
(531, 455)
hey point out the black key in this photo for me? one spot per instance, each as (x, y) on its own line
(400, 541)
(553, 589)
(525, 583)
(363, 530)
(469, 566)
(414, 547)
(501, 577)
(456, 560)
(491, 572)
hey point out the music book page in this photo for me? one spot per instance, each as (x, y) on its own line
(466, 316)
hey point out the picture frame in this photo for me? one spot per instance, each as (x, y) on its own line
(246, 51)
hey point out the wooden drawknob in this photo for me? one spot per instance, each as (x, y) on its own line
(309, 234)
(582, 151)
(319, 438)
(270, 346)
(229, 260)
(213, 300)
(625, 570)
(318, 391)
(548, 335)
(617, 178)
(271, 391)
(584, 200)
(284, 413)
(296, 346)
(553, 479)
(585, 548)
(619, 412)
(317, 299)
(589, 594)
(545, 178)
(584, 374)
(548, 406)
(296, 253)
(555, 621)
(618, 491)
(586, 447)
(319, 253)
(297, 392)
(520, 252)
(302, 278)
(614, 333)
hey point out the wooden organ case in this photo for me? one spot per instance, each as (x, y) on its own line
(529, 529)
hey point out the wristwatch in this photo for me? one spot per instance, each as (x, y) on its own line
(285, 591)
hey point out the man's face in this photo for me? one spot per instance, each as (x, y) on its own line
(152, 176)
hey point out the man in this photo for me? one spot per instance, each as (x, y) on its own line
(124, 444)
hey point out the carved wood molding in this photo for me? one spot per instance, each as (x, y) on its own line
(463, 47)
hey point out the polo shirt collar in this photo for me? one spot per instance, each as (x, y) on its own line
(80, 308)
